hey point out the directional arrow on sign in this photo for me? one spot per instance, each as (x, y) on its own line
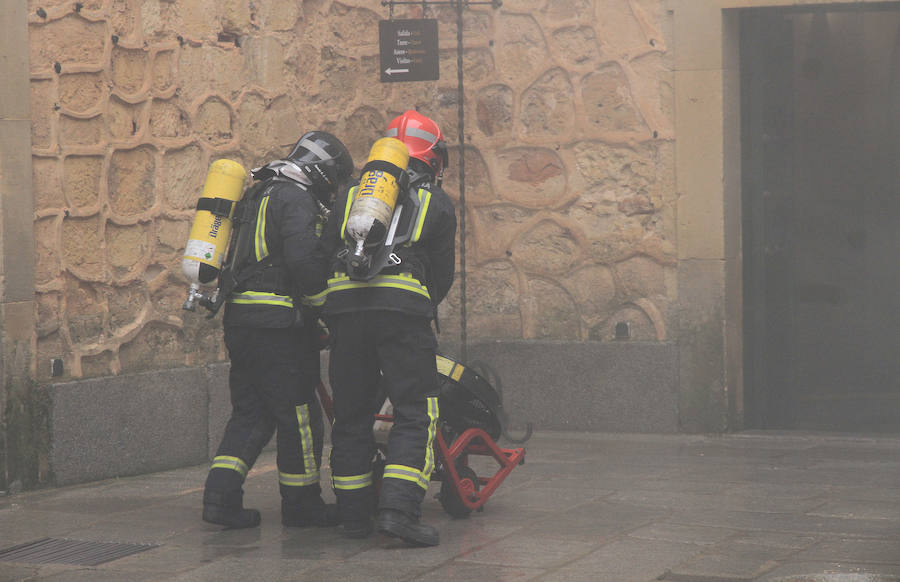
(392, 71)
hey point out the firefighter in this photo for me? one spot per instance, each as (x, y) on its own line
(277, 258)
(381, 333)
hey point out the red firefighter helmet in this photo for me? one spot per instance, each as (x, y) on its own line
(422, 137)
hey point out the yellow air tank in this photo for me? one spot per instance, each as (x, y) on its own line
(372, 207)
(211, 230)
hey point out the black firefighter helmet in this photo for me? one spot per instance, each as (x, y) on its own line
(319, 161)
(325, 161)
(467, 399)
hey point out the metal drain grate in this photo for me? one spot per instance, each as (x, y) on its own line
(62, 551)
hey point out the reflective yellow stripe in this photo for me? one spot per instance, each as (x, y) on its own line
(458, 369)
(403, 282)
(444, 365)
(257, 298)
(317, 300)
(423, 477)
(233, 463)
(352, 482)
(433, 414)
(311, 476)
(449, 368)
(350, 196)
(262, 251)
(306, 441)
(406, 474)
(298, 480)
(420, 220)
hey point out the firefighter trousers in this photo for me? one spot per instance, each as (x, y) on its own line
(374, 353)
(273, 377)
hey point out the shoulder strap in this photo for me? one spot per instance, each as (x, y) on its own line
(237, 269)
(351, 194)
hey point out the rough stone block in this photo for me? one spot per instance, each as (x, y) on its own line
(168, 120)
(522, 49)
(213, 121)
(81, 182)
(494, 108)
(47, 186)
(548, 248)
(586, 386)
(81, 92)
(128, 425)
(265, 61)
(80, 132)
(576, 45)
(158, 345)
(534, 176)
(609, 103)
(131, 180)
(162, 72)
(80, 241)
(548, 107)
(124, 121)
(181, 179)
(126, 245)
(47, 255)
(65, 41)
(552, 313)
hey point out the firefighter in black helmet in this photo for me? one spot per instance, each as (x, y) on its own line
(277, 259)
(380, 325)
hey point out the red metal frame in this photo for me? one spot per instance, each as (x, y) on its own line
(472, 441)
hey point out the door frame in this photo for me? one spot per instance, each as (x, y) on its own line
(706, 51)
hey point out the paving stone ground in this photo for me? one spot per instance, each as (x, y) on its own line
(769, 507)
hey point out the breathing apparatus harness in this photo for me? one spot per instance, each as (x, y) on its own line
(401, 230)
(241, 266)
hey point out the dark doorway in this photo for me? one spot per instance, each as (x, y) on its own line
(820, 98)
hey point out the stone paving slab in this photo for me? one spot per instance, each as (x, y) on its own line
(593, 507)
(875, 551)
(627, 559)
(831, 572)
(732, 560)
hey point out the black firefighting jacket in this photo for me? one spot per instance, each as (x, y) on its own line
(285, 254)
(427, 261)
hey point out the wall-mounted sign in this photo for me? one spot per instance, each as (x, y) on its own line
(409, 50)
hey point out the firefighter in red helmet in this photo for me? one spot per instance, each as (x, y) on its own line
(382, 336)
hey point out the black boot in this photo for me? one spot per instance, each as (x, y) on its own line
(357, 509)
(400, 525)
(313, 512)
(227, 508)
(358, 528)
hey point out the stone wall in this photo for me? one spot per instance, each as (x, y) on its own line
(569, 157)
